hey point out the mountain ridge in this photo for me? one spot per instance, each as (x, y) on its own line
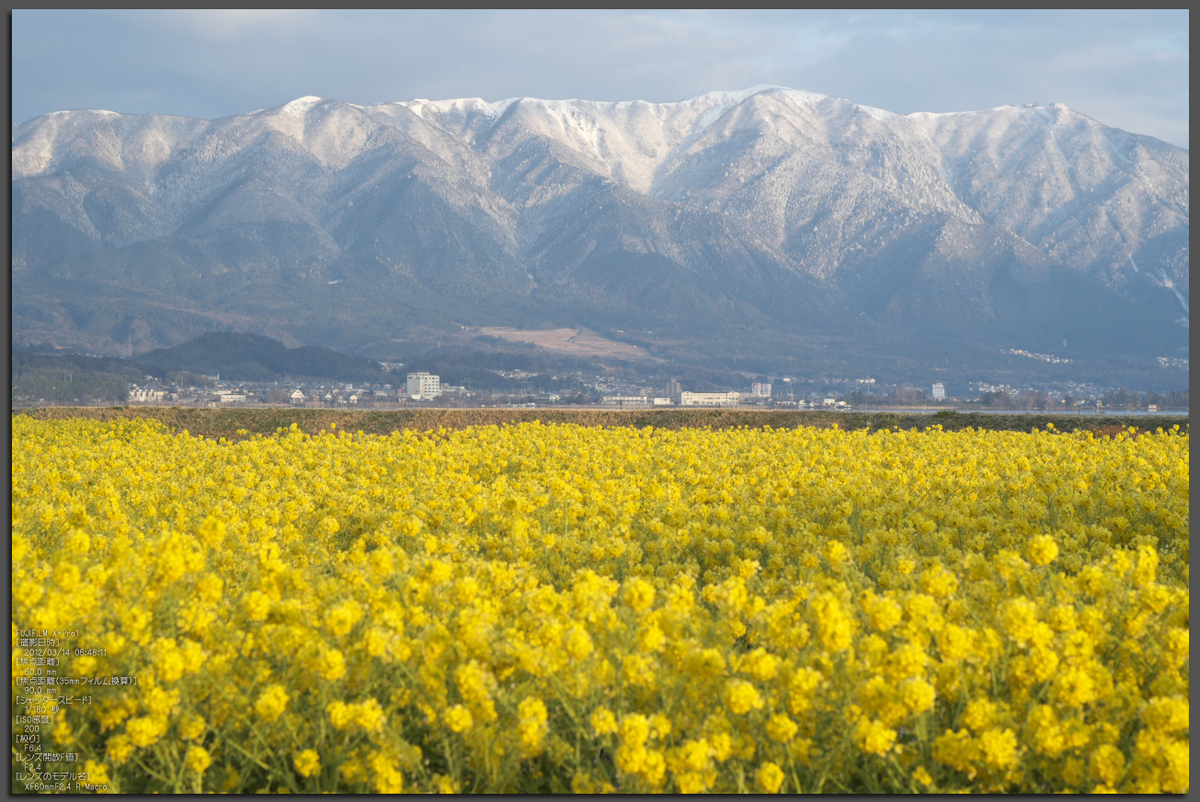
(771, 207)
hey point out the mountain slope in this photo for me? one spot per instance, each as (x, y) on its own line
(765, 210)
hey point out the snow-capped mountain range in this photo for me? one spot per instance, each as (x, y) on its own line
(765, 208)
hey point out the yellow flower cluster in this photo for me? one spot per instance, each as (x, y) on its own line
(554, 608)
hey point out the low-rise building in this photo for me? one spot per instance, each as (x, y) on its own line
(624, 400)
(710, 399)
(145, 395)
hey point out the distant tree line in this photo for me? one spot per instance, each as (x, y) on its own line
(1177, 399)
(70, 378)
(252, 357)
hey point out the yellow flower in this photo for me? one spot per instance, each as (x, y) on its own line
(257, 605)
(120, 747)
(531, 726)
(742, 696)
(781, 728)
(634, 730)
(341, 715)
(386, 778)
(168, 661)
(834, 627)
(1167, 714)
(835, 554)
(603, 722)
(873, 736)
(67, 577)
(917, 695)
(1108, 763)
(78, 542)
(1042, 550)
(938, 582)
(209, 588)
(145, 730)
(197, 759)
(332, 665)
(1146, 568)
(979, 714)
(97, 773)
(342, 617)
(458, 718)
(307, 763)
(577, 642)
(271, 702)
(211, 532)
(999, 748)
(884, 612)
(369, 715)
(760, 664)
(957, 750)
(192, 727)
(638, 594)
(748, 558)
(768, 778)
(1075, 686)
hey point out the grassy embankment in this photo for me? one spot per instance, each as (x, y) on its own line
(227, 422)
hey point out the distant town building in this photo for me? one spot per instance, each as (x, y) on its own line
(674, 390)
(760, 389)
(662, 402)
(233, 398)
(624, 400)
(709, 399)
(145, 394)
(939, 391)
(424, 386)
(297, 397)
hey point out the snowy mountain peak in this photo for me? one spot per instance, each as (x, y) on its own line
(301, 104)
(763, 208)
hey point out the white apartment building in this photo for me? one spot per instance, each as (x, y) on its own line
(760, 389)
(145, 394)
(624, 400)
(939, 392)
(424, 386)
(709, 399)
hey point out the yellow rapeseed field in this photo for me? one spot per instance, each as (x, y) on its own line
(539, 608)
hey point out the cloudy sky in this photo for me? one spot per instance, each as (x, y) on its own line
(1127, 69)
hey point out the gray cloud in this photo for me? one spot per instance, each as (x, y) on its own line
(1128, 69)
